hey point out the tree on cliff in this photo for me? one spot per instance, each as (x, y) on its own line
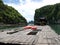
(9, 15)
(50, 12)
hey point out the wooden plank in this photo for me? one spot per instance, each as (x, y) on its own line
(41, 44)
(24, 41)
(14, 36)
(30, 40)
(44, 37)
(20, 39)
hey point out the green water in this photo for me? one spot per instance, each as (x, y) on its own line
(8, 27)
(56, 28)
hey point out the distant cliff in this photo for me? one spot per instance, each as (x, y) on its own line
(8, 15)
(50, 12)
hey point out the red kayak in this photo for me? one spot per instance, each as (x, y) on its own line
(27, 27)
(33, 27)
(30, 27)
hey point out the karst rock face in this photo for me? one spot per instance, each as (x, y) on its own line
(9, 15)
(50, 12)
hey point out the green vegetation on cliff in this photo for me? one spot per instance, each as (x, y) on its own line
(50, 12)
(8, 15)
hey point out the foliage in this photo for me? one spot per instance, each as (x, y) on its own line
(8, 15)
(50, 12)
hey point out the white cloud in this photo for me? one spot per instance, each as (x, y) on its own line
(28, 8)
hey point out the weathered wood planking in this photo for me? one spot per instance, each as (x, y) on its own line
(15, 36)
(46, 36)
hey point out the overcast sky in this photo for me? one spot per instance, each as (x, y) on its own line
(27, 7)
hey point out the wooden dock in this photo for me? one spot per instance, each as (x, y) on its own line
(44, 35)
